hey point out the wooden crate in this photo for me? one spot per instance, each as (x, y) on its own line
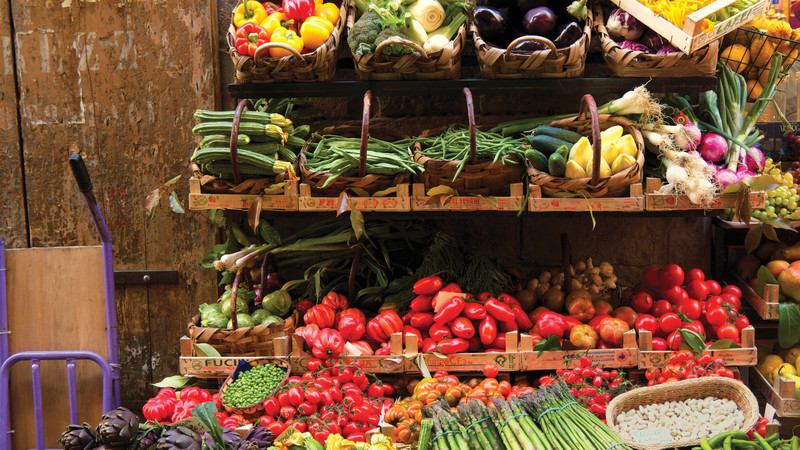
(463, 362)
(191, 365)
(633, 203)
(203, 200)
(766, 306)
(669, 202)
(399, 203)
(394, 363)
(692, 37)
(627, 356)
(513, 203)
(780, 394)
(745, 356)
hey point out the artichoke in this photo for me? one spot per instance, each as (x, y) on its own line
(180, 438)
(118, 427)
(78, 437)
(147, 438)
(258, 438)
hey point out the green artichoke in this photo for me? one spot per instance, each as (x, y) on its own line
(78, 437)
(118, 427)
(258, 438)
(180, 438)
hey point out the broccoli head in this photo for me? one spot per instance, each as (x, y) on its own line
(361, 37)
(392, 49)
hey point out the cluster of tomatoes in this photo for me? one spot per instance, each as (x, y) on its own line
(406, 414)
(593, 387)
(664, 306)
(333, 397)
(683, 365)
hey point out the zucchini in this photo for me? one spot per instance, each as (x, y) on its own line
(546, 144)
(203, 115)
(537, 159)
(302, 131)
(559, 133)
(217, 140)
(556, 165)
(264, 148)
(256, 131)
(287, 154)
(223, 155)
(295, 141)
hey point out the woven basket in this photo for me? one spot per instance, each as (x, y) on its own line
(214, 185)
(613, 186)
(256, 409)
(369, 182)
(630, 63)
(444, 64)
(319, 65)
(718, 387)
(501, 63)
(479, 177)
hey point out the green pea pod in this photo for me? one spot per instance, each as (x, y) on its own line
(704, 444)
(716, 441)
(762, 442)
(726, 444)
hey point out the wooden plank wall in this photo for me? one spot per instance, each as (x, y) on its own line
(118, 82)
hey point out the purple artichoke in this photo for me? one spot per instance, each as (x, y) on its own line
(78, 437)
(118, 427)
(180, 438)
(258, 438)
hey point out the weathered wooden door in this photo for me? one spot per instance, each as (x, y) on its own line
(117, 81)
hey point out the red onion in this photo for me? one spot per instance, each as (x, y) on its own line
(726, 177)
(623, 26)
(713, 147)
(755, 165)
(689, 139)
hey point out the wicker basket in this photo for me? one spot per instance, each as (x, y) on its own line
(717, 387)
(214, 185)
(368, 182)
(319, 65)
(256, 409)
(501, 63)
(613, 186)
(479, 177)
(444, 64)
(630, 63)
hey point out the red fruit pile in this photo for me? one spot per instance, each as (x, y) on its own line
(446, 320)
(169, 406)
(669, 300)
(331, 324)
(683, 365)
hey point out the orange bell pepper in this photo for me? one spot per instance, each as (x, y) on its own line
(285, 36)
(315, 31)
(328, 11)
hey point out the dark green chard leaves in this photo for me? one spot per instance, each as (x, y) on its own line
(788, 325)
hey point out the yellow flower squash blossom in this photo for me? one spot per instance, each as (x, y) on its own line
(676, 11)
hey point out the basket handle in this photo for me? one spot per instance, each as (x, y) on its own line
(362, 158)
(545, 41)
(588, 103)
(237, 118)
(398, 40)
(473, 150)
(282, 45)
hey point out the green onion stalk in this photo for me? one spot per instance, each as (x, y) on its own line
(726, 109)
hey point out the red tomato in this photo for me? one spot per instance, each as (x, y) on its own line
(714, 300)
(731, 299)
(595, 322)
(675, 294)
(490, 370)
(611, 331)
(690, 308)
(669, 322)
(627, 314)
(661, 307)
(647, 322)
(671, 275)
(695, 274)
(716, 315)
(651, 279)
(697, 290)
(713, 287)
(674, 341)
(695, 326)
(642, 302)
(731, 289)
(276, 428)
(660, 344)
(741, 322)
(728, 331)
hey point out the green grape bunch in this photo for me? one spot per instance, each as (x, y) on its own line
(782, 201)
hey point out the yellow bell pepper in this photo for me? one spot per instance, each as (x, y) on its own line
(328, 11)
(289, 37)
(276, 20)
(249, 11)
(315, 31)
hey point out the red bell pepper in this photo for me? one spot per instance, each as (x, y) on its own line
(298, 10)
(323, 316)
(351, 324)
(421, 320)
(474, 311)
(249, 37)
(463, 328)
(329, 344)
(422, 303)
(498, 310)
(382, 326)
(449, 310)
(451, 346)
(487, 330)
(270, 7)
(440, 332)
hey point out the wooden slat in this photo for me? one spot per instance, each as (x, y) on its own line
(13, 229)
(49, 310)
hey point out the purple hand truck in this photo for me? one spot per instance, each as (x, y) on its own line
(110, 369)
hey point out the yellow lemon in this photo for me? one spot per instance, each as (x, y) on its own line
(768, 363)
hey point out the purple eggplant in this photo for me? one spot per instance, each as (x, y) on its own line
(493, 26)
(539, 21)
(523, 6)
(529, 46)
(567, 35)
